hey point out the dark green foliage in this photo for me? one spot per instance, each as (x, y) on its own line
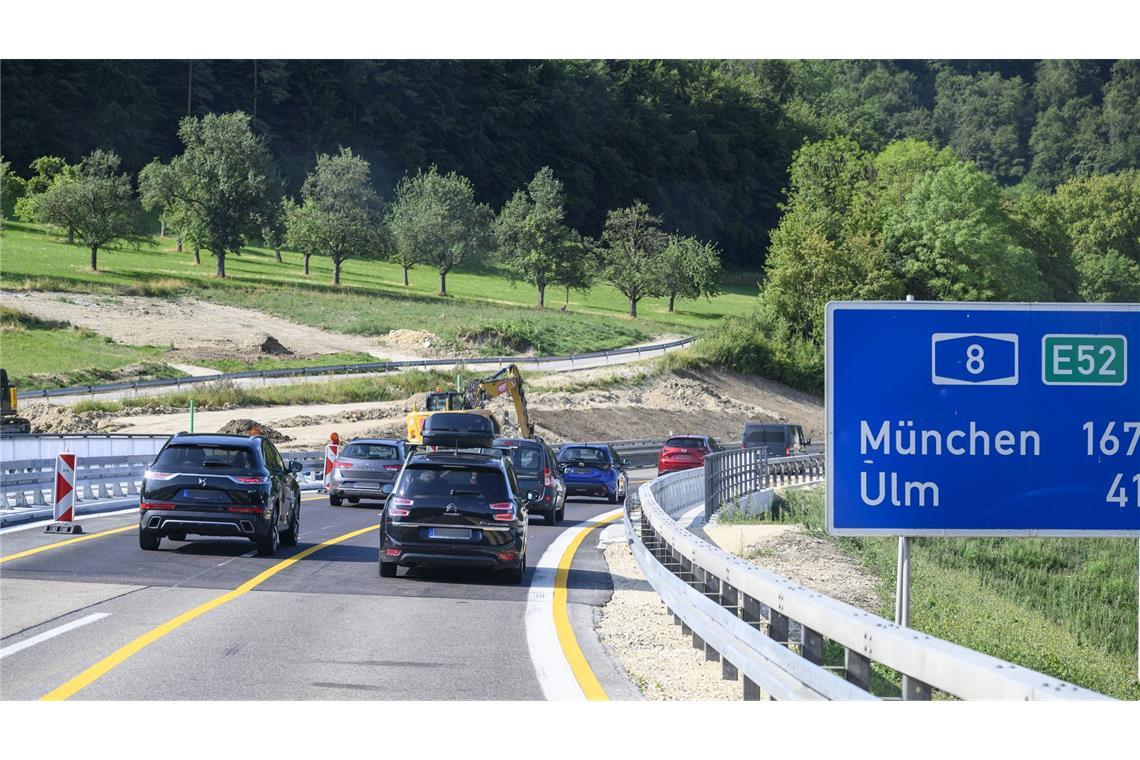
(632, 253)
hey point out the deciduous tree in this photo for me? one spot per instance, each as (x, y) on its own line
(434, 219)
(530, 234)
(339, 215)
(98, 204)
(689, 269)
(631, 252)
(225, 181)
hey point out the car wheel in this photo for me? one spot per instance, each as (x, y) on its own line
(551, 517)
(176, 536)
(613, 498)
(289, 538)
(267, 546)
(149, 541)
(387, 569)
(334, 501)
(562, 511)
(353, 500)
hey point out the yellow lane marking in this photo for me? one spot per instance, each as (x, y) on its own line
(57, 544)
(112, 661)
(591, 687)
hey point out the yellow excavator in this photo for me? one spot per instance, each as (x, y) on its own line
(473, 399)
(11, 423)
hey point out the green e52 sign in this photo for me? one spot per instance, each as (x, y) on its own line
(1084, 360)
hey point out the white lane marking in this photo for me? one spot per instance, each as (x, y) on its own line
(550, 665)
(51, 634)
(250, 554)
(42, 523)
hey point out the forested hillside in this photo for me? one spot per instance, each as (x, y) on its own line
(708, 145)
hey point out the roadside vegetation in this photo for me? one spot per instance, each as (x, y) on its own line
(1066, 607)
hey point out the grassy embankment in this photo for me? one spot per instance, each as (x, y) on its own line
(482, 309)
(46, 354)
(1062, 606)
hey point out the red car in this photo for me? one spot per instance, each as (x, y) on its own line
(684, 452)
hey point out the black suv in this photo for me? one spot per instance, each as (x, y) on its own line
(220, 485)
(452, 508)
(536, 468)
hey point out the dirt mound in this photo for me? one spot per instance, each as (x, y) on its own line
(412, 340)
(48, 418)
(252, 427)
(270, 346)
(492, 338)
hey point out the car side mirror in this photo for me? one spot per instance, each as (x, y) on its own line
(625, 463)
(295, 466)
(562, 467)
(532, 496)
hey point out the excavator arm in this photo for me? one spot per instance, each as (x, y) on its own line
(507, 380)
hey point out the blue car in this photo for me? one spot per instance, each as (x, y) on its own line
(593, 469)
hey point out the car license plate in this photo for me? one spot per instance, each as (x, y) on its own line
(452, 533)
(367, 485)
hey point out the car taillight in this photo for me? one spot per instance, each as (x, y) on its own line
(547, 480)
(145, 505)
(343, 465)
(787, 450)
(151, 475)
(245, 510)
(392, 552)
(507, 556)
(392, 467)
(396, 506)
(248, 481)
(502, 505)
(504, 516)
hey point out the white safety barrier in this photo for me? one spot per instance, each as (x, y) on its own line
(792, 642)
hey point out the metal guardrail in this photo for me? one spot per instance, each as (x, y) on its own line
(787, 641)
(734, 473)
(345, 369)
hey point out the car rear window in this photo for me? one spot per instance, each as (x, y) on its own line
(420, 481)
(766, 435)
(583, 454)
(371, 451)
(205, 458)
(526, 459)
(686, 443)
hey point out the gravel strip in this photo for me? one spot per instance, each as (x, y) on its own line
(639, 633)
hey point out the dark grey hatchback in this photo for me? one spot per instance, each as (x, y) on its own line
(220, 485)
(452, 508)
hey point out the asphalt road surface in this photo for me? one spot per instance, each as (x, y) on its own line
(206, 619)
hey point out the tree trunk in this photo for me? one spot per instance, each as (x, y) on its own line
(405, 277)
(567, 296)
(336, 270)
(178, 244)
(633, 307)
(672, 297)
(542, 296)
(197, 255)
(221, 258)
(94, 253)
(161, 227)
(307, 255)
(278, 252)
(71, 235)
(443, 283)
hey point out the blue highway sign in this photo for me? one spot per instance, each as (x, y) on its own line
(983, 419)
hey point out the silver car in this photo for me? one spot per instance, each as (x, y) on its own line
(366, 469)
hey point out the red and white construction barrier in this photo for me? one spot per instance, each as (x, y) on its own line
(331, 451)
(63, 496)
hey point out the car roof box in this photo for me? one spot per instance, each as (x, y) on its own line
(459, 430)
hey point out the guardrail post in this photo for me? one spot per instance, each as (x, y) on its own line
(812, 647)
(728, 671)
(711, 655)
(729, 597)
(750, 612)
(778, 627)
(858, 669)
(915, 690)
(752, 692)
